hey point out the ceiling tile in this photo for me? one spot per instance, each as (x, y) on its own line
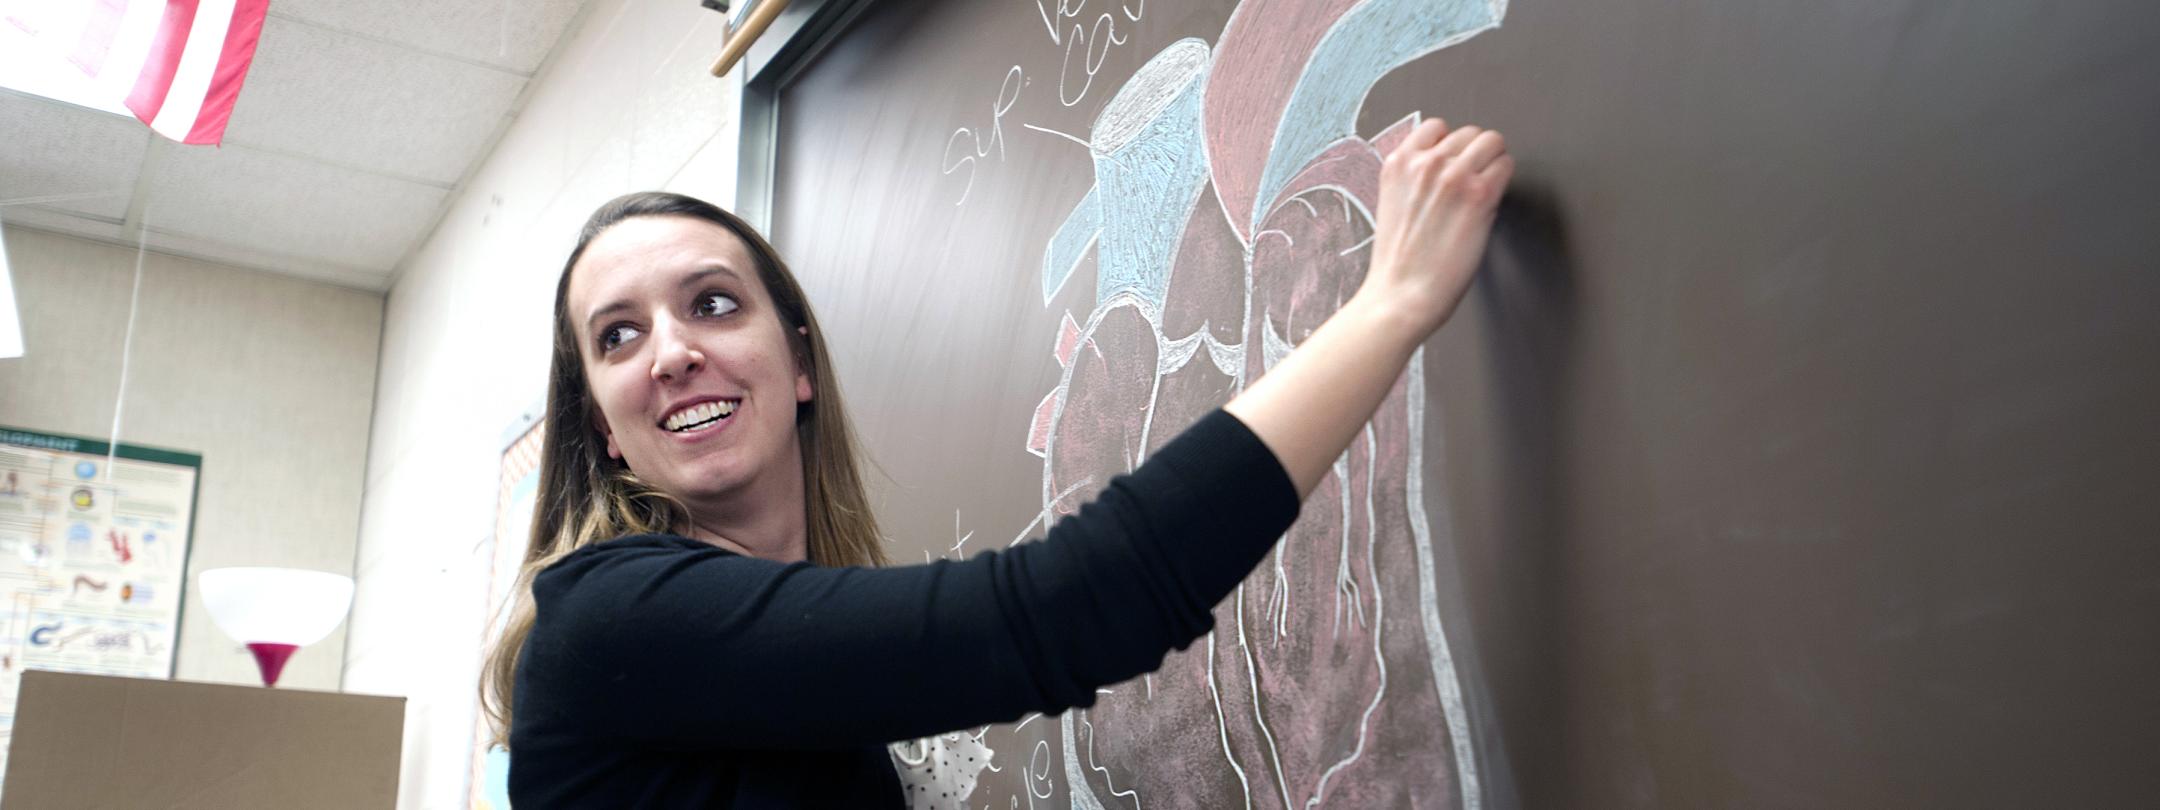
(277, 204)
(515, 34)
(365, 103)
(52, 149)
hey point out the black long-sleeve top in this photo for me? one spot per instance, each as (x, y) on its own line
(667, 672)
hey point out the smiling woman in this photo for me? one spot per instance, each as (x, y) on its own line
(699, 382)
(699, 621)
(659, 294)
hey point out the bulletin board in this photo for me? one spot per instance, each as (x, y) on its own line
(93, 561)
(517, 488)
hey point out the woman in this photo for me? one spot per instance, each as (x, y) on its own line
(703, 625)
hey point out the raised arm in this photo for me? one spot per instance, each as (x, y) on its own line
(1438, 192)
(666, 643)
(671, 644)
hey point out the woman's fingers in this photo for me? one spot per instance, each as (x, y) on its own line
(1492, 181)
(1476, 146)
(1483, 150)
(1423, 136)
(1502, 168)
(1455, 142)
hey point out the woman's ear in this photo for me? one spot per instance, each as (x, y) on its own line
(607, 436)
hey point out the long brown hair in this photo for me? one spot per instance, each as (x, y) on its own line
(586, 497)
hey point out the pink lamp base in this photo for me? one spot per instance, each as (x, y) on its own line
(271, 658)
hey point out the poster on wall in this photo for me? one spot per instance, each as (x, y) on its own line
(92, 558)
(515, 493)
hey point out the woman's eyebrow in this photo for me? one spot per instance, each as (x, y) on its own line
(700, 275)
(603, 312)
(593, 320)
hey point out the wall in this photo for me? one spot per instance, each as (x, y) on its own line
(270, 378)
(626, 104)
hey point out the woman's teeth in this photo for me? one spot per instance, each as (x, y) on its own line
(699, 415)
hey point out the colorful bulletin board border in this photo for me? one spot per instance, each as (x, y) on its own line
(517, 483)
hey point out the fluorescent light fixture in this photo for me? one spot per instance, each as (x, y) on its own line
(31, 65)
(10, 318)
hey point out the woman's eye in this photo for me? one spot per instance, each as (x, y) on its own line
(617, 335)
(716, 304)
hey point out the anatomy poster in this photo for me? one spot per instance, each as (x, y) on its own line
(93, 557)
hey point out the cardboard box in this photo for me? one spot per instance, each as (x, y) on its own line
(95, 741)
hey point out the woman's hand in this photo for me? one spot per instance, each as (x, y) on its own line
(1438, 193)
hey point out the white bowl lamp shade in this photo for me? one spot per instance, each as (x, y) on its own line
(275, 611)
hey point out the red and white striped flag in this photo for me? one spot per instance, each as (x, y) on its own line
(176, 64)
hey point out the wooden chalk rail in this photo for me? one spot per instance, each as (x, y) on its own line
(739, 39)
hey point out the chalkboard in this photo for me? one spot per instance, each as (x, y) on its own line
(1795, 448)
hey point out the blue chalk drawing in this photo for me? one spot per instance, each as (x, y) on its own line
(1150, 168)
(1368, 41)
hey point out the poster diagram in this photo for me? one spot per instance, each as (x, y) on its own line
(92, 560)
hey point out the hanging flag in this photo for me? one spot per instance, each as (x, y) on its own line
(176, 64)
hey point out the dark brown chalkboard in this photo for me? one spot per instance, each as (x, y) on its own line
(1796, 449)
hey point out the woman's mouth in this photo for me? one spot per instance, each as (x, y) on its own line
(702, 416)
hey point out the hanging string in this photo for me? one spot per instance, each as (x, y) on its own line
(127, 341)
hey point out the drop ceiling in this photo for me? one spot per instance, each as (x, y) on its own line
(357, 126)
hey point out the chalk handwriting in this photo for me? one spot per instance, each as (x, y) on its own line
(1093, 39)
(976, 145)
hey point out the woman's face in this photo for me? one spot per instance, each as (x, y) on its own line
(689, 364)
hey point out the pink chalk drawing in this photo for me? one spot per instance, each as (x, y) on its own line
(1232, 213)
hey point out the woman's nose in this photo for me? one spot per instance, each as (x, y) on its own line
(675, 357)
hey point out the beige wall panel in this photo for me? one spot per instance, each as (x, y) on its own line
(270, 378)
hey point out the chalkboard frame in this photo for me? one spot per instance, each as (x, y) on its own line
(801, 32)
